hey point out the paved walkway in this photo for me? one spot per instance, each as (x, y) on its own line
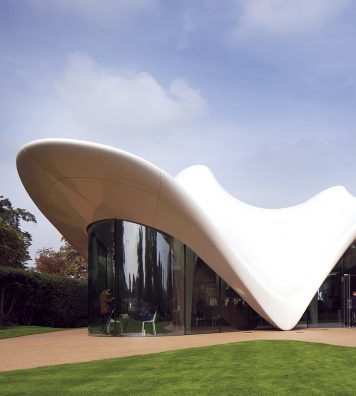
(76, 346)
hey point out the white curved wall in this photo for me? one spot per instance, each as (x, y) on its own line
(275, 259)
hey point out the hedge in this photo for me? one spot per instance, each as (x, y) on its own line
(42, 299)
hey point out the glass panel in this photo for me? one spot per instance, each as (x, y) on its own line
(353, 299)
(327, 306)
(130, 243)
(136, 280)
(190, 262)
(101, 276)
(234, 310)
(205, 310)
(177, 259)
(236, 314)
(350, 277)
(151, 286)
(349, 260)
(330, 301)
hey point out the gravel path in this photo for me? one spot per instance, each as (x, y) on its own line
(72, 346)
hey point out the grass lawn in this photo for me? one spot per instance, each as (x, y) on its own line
(247, 368)
(17, 331)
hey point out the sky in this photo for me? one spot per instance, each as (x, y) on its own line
(263, 92)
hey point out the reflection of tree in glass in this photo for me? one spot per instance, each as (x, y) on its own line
(160, 301)
(150, 262)
(138, 284)
(169, 286)
(133, 287)
(122, 290)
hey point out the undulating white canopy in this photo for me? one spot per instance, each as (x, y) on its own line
(274, 258)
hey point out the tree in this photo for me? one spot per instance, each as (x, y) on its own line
(14, 243)
(66, 262)
(31, 298)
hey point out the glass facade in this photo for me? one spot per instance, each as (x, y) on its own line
(145, 282)
(136, 280)
(330, 306)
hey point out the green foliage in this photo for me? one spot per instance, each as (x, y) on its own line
(14, 242)
(18, 331)
(41, 299)
(246, 368)
(66, 262)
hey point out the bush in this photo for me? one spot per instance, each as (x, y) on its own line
(31, 298)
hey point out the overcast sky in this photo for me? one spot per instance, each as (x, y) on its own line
(261, 91)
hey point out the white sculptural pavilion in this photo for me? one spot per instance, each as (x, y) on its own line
(274, 258)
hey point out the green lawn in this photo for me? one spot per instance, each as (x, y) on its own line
(248, 368)
(18, 331)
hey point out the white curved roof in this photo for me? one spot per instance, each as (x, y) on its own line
(274, 258)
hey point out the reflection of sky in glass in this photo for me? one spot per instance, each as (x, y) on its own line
(131, 239)
(163, 250)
